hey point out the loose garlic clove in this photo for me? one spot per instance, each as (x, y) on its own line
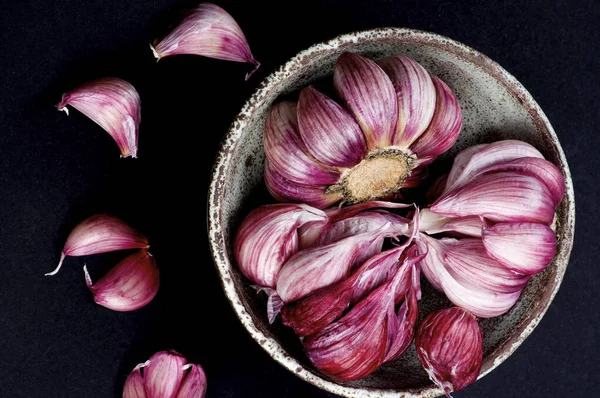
(502, 196)
(130, 285)
(134, 384)
(114, 105)
(163, 374)
(416, 97)
(209, 31)
(194, 383)
(268, 237)
(100, 233)
(470, 278)
(369, 94)
(449, 345)
(526, 248)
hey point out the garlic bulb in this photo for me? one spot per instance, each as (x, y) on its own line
(395, 119)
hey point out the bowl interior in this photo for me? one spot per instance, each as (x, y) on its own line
(495, 106)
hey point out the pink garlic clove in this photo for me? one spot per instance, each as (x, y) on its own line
(416, 97)
(449, 345)
(461, 161)
(329, 132)
(101, 233)
(369, 94)
(287, 152)
(541, 169)
(477, 161)
(114, 105)
(134, 384)
(526, 248)
(268, 237)
(444, 128)
(163, 374)
(468, 276)
(501, 196)
(130, 285)
(209, 31)
(194, 383)
(166, 375)
(317, 267)
(284, 190)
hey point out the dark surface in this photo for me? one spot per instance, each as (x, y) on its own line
(55, 170)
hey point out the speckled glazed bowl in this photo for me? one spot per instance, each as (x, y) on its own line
(495, 106)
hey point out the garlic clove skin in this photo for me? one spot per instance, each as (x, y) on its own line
(268, 237)
(329, 132)
(287, 152)
(134, 384)
(317, 267)
(368, 221)
(369, 94)
(481, 158)
(164, 374)
(449, 345)
(274, 302)
(114, 105)
(432, 223)
(209, 31)
(194, 383)
(101, 233)
(444, 128)
(460, 162)
(284, 190)
(501, 196)
(130, 285)
(526, 248)
(416, 97)
(471, 279)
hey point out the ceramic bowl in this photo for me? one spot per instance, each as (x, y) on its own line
(495, 106)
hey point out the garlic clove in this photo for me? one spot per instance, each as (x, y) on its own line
(444, 128)
(502, 196)
(288, 154)
(432, 223)
(449, 345)
(100, 233)
(468, 276)
(268, 237)
(329, 132)
(542, 169)
(355, 345)
(284, 190)
(134, 384)
(114, 105)
(460, 162)
(369, 94)
(416, 97)
(209, 31)
(317, 267)
(526, 248)
(130, 285)
(274, 302)
(492, 154)
(194, 383)
(163, 374)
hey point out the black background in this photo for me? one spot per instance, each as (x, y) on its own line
(55, 170)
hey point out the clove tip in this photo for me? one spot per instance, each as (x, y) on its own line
(155, 53)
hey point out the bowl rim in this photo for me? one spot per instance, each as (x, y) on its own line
(223, 161)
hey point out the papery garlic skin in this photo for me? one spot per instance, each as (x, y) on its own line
(130, 285)
(395, 118)
(449, 345)
(167, 374)
(101, 233)
(114, 105)
(209, 31)
(268, 237)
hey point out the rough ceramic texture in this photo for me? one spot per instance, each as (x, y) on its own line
(495, 106)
